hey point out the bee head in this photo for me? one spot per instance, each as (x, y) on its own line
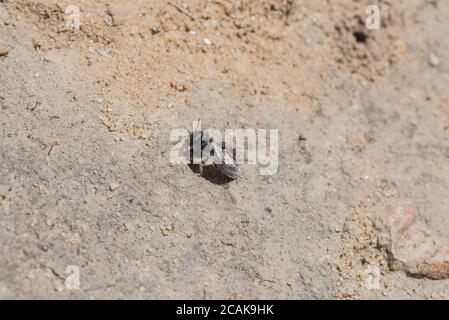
(205, 142)
(206, 137)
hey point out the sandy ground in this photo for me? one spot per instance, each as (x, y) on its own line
(358, 208)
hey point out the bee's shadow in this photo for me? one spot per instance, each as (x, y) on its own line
(211, 174)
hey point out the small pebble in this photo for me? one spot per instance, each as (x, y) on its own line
(154, 30)
(434, 60)
(207, 42)
(179, 86)
(113, 187)
(4, 52)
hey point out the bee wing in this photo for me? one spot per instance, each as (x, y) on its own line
(228, 165)
(223, 160)
(228, 157)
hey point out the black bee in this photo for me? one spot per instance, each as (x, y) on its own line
(223, 160)
(220, 157)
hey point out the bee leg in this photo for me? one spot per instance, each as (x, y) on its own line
(201, 169)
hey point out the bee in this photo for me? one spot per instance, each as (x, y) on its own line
(223, 160)
(220, 157)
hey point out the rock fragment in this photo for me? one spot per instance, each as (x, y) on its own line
(409, 244)
(4, 52)
(434, 61)
(113, 187)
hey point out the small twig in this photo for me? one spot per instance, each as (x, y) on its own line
(51, 148)
(182, 11)
(262, 280)
(226, 10)
(288, 8)
(2, 103)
